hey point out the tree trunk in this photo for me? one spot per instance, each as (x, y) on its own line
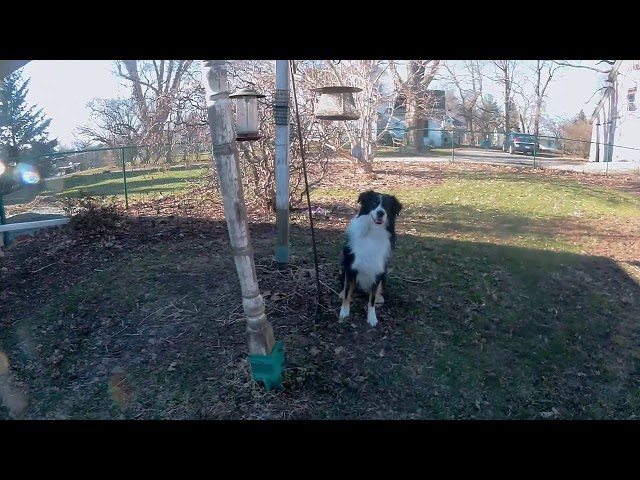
(470, 126)
(414, 96)
(415, 127)
(536, 123)
(507, 111)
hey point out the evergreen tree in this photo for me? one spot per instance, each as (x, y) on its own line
(489, 115)
(23, 128)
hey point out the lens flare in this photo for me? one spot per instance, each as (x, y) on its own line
(2, 168)
(28, 174)
(30, 177)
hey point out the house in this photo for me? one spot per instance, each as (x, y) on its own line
(616, 119)
(438, 126)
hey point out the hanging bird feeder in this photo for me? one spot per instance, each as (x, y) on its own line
(247, 114)
(337, 103)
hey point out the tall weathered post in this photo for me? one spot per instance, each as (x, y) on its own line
(281, 118)
(266, 361)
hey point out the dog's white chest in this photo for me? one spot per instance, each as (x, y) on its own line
(371, 247)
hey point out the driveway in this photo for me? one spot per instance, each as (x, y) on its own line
(497, 157)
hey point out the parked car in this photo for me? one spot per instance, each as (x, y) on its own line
(520, 142)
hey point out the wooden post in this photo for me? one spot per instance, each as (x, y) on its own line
(281, 117)
(223, 138)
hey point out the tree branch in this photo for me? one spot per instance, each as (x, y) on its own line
(587, 67)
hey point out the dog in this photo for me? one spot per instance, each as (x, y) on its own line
(371, 238)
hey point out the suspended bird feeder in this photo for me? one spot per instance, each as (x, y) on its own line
(247, 114)
(337, 103)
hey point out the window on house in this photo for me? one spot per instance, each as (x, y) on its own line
(631, 99)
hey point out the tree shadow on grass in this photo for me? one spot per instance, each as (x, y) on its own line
(462, 219)
(103, 183)
(149, 325)
(138, 186)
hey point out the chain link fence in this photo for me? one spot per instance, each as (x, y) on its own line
(135, 173)
(515, 148)
(36, 188)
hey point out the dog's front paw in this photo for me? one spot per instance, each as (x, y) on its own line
(379, 301)
(372, 319)
(344, 312)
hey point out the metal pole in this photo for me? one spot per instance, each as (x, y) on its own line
(220, 115)
(453, 147)
(124, 179)
(3, 221)
(281, 114)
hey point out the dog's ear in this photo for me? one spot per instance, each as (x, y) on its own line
(396, 206)
(364, 196)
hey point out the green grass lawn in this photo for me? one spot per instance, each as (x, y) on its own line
(146, 183)
(506, 316)
(511, 295)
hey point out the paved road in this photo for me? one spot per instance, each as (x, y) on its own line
(497, 157)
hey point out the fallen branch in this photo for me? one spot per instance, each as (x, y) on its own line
(42, 268)
(408, 280)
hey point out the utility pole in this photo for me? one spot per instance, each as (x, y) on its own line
(223, 139)
(281, 117)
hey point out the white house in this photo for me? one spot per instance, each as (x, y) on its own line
(437, 127)
(615, 135)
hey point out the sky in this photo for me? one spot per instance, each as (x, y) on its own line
(64, 87)
(571, 90)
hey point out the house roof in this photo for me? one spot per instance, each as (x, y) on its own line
(457, 121)
(611, 78)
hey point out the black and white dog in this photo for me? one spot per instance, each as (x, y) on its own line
(371, 237)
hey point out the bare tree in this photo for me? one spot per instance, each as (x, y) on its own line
(258, 157)
(524, 102)
(420, 74)
(577, 135)
(154, 86)
(114, 123)
(544, 71)
(467, 80)
(505, 74)
(149, 116)
(364, 74)
(530, 93)
(553, 127)
(604, 70)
